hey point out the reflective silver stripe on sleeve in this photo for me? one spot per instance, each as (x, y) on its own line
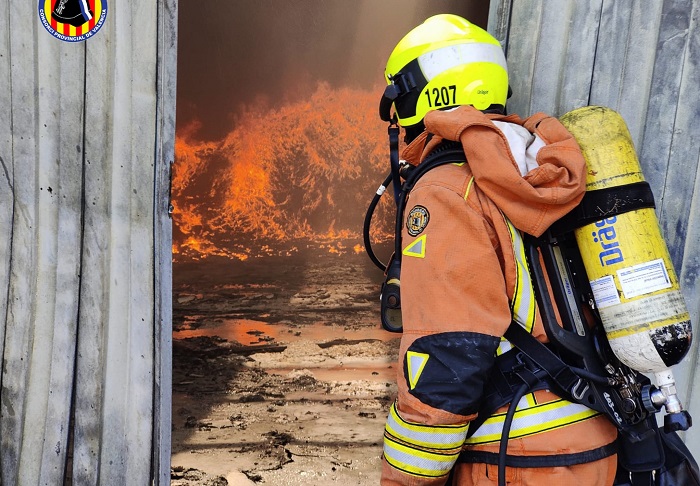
(425, 436)
(422, 450)
(416, 461)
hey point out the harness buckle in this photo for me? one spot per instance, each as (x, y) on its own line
(574, 390)
(527, 370)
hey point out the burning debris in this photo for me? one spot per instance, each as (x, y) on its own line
(284, 178)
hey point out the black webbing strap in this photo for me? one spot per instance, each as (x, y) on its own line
(393, 131)
(642, 478)
(509, 373)
(554, 460)
(446, 153)
(605, 203)
(562, 375)
(545, 370)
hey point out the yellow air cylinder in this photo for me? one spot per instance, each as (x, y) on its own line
(625, 256)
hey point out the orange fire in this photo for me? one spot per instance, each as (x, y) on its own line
(286, 177)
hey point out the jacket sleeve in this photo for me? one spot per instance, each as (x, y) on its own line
(455, 310)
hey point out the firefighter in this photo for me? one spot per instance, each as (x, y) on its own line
(464, 276)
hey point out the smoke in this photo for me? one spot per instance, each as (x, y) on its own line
(278, 136)
(233, 52)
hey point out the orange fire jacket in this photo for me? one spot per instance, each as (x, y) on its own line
(460, 278)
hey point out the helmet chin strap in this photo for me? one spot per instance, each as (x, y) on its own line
(391, 93)
(400, 84)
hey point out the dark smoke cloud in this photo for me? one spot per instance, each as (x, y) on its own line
(234, 52)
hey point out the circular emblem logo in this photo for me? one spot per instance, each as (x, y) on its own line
(72, 20)
(417, 220)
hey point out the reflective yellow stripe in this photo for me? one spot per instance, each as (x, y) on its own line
(523, 304)
(422, 450)
(530, 400)
(418, 462)
(469, 188)
(531, 418)
(440, 437)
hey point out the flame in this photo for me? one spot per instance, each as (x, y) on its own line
(300, 174)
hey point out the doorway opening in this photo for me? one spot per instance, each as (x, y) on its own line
(281, 372)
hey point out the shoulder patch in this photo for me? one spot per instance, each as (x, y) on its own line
(416, 248)
(417, 220)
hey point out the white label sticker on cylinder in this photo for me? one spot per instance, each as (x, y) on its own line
(605, 292)
(644, 278)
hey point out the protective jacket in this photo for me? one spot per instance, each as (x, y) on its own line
(464, 278)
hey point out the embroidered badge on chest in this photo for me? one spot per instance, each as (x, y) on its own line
(417, 220)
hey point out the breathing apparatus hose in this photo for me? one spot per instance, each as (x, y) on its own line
(394, 178)
(584, 373)
(368, 221)
(400, 206)
(503, 446)
(449, 152)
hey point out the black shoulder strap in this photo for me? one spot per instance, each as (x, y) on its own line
(574, 384)
(530, 362)
(447, 152)
(605, 203)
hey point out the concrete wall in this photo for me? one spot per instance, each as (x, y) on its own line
(643, 60)
(86, 141)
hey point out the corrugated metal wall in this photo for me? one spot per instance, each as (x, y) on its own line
(641, 58)
(86, 141)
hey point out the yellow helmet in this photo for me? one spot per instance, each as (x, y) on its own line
(444, 62)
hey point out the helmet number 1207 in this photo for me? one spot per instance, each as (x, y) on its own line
(443, 96)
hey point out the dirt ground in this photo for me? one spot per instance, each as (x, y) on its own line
(281, 373)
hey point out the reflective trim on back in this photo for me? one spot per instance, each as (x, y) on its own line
(531, 418)
(523, 306)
